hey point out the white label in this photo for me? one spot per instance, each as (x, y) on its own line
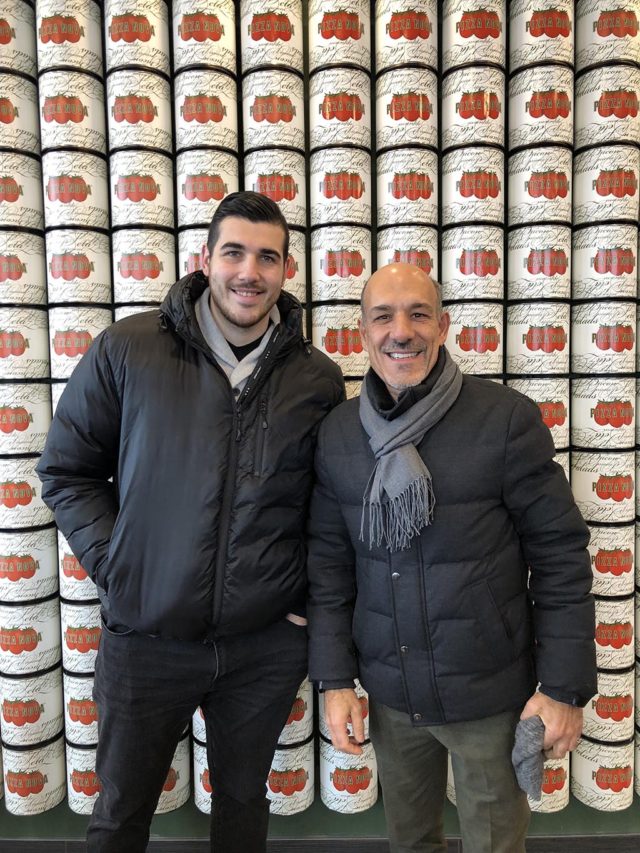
(22, 270)
(602, 775)
(340, 108)
(475, 338)
(473, 263)
(28, 565)
(406, 108)
(34, 779)
(138, 36)
(552, 398)
(540, 262)
(607, 106)
(603, 413)
(603, 486)
(555, 787)
(144, 265)
(603, 337)
(606, 32)
(75, 583)
(69, 34)
(78, 266)
(612, 551)
(299, 725)
(408, 187)
(141, 186)
(190, 245)
(21, 192)
(605, 261)
(406, 32)
(339, 33)
(409, 244)
(206, 111)
(335, 331)
(25, 417)
(204, 178)
(80, 709)
(19, 113)
(75, 189)
(81, 629)
(295, 281)
(177, 785)
(271, 34)
(83, 785)
(31, 708)
(473, 186)
(71, 333)
(473, 107)
(139, 108)
(29, 637)
(538, 338)
(18, 34)
(202, 787)
(540, 35)
(340, 262)
(606, 184)
(541, 106)
(290, 784)
(341, 187)
(473, 31)
(204, 37)
(348, 783)
(72, 111)
(23, 344)
(540, 186)
(608, 715)
(281, 177)
(273, 110)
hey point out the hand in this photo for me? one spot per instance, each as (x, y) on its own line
(342, 707)
(562, 723)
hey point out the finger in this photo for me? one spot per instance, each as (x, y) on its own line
(358, 724)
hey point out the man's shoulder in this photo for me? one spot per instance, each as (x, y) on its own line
(344, 419)
(481, 392)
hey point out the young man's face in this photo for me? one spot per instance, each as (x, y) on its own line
(246, 271)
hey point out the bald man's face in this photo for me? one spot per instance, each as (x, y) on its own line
(401, 329)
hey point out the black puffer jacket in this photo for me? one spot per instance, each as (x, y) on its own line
(202, 535)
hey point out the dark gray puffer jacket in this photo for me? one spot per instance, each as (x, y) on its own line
(202, 534)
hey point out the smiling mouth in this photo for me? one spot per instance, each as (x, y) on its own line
(403, 356)
(244, 293)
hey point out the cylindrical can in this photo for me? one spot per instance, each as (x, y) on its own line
(606, 184)
(295, 278)
(22, 269)
(472, 36)
(299, 725)
(603, 413)
(606, 32)
(138, 36)
(340, 35)
(69, 35)
(141, 189)
(608, 716)
(31, 708)
(202, 788)
(614, 633)
(271, 36)
(607, 106)
(206, 110)
(540, 35)
(72, 111)
(335, 331)
(177, 785)
(122, 311)
(340, 181)
(29, 636)
(605, 261)
(78, 266)
(21, 503)
(552, 397)
(144, 265)
(23, 343)
(81, 629)
(473, 107)
(406, 108)
(28, 565)
(603, 486)
(473, 186)
(540, 262)
(273, 109)
(406, 34)
(57, 387)
(83, 785)
(602, 775)
(198, 728)
(19, 113)
(475, 336)
(408, 187)
(25, 418)
(538, 337)
(409, 244)
(563, 458)
(75, 190)
(18, 37)
(80, 709)
(363, 698)
(34, 779)
(280, 175)
(75, 583)
(603, 337)
(541, 106)
(473, 262)
(139, 109)
(190, 243)
(348, 783)
(340, 108)
(290, 784)
(21, 192)
(71, 333)
(340, 262)
(204, 37)
(352, 387)
(555, 787)
(540, 186)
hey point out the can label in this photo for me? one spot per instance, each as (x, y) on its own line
(473, 263)
(540, 186)
(473, 31)
(335, 331)
(17, 36)
(602, 775)
(272, 35)
(540, 35)
(25, 417)
(603, 337)
(555, 787)
(80, 710)
(606, 184)
(21, 192)
(339, 33)
(75, 189)
(552, 398)
(83, 785)
(144, 265)
(614, 633)
(603, 486)
(31, 708)
(78, 266)
(23, 343)
(81, 629)
(540, 262)
(473, 107)
(22, 269)
(28, 566)
(605, 259)
(607, 106)
(75, 583)
(608, 716)
(473, 186)
(348, 783)
(56, 392)
(206, 37)
(340, 108)
(29, 637)
(202, 787)
(409, 244)
(612, 552)
(141, 189)
(19, 113)
(603, 413)
(71, 333)
(353, 387)
(541, 106)
(139, 107)
(299, 725)
(202, 117)
(538, 338)
(406, 33)
(280, 175)
(637, 572)
(190, 245)
(273, 110)
(295, 281)
(290, 784)
(69, 35)
(408, 187)
(475, 337)
(120, 312)
(34, 779)
(177, 785)
(605, 32)
(339, 272)
(198, 727)
(72, 111)
(138, 37)
(341, 186)
(363, 698)
(406, 108)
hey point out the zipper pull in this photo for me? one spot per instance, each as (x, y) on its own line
(263, 412)
(239, 426)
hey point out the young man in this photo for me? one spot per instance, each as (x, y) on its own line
(418, 572)
(205, 414)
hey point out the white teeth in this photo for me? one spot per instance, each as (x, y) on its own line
(398, 355)
(247, 292)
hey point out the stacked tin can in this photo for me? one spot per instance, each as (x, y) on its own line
(603, 388)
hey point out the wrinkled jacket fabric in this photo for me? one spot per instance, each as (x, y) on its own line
(201, 532)
(449, 629)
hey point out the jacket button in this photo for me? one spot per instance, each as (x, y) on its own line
(404, 649)
(395, 576)
(417, 717)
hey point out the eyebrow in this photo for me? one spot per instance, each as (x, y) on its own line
(411, 307)
(232, 245)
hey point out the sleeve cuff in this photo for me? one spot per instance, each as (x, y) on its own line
(323, 686)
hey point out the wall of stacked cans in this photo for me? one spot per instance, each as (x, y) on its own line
(495, 145)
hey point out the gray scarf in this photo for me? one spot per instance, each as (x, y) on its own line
(399, 494)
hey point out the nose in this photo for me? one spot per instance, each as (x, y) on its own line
(249, 270)
(401, 328)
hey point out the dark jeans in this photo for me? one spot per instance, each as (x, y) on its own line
(147, 689)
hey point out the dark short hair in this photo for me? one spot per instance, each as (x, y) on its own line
(252, 206)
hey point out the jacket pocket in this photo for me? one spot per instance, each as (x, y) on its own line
(494, 628)
(262, 425)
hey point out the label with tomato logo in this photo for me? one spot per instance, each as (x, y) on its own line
(29, 636)
(280, 176)
(204, 178)
(23, 343)
(34, 778)
(406, 108)
(22, 268)
(476, 337)
(17, 38)
(606, 32)
(473, 186)
(605, 261)
(539, 262)
(612, 553)
(406, 32)
(339, 108)
(538, 338)
(348, 783)
(190, 245)
(141, 187)
(555, 787)
(273, 110)
(335, 331)
(81, 629)
(299, 725)
(202, 787)
(603, 485)
(177, 785)
(608, 716)
(473, 107)
(75, 583)
(204, 36)
(70, 35)
(538, 35)
(78, 266)
(614, 633)
(606, 184)
(144, 265)
(290, 784)
(25, 417)
(21, 503)
(139, 109)
(206, 110)
(552, 397)
(541, 106)
(409, 244)
(472, 33)
(339, 33)
(19, 113)
(72, 111)
(137, 35)
(540, 186)
(340, 262)
(607, 106)
(28, 567)
(603, 413)
(603, 338)
(295, 281)
(75, 189)
(602, 775)
(340, 180)
(473, 262)
(21, 192)
(271, 34)
(71, 333)
(408, 187)
(83, 784)
(31, 710)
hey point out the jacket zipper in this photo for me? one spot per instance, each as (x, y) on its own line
(427, 631)
(262, 434)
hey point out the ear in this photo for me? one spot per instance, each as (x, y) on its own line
(443, 326)
(362, 328)
(205, 259)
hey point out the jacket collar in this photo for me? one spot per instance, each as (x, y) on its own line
(383, 402)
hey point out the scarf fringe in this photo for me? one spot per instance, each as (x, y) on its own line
(398, 520)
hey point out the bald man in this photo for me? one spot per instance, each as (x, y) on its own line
(437, 498)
